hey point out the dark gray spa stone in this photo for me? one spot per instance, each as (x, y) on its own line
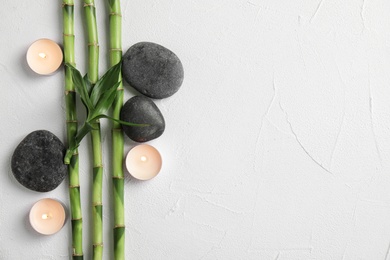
(37, 162)
(152, 69)
(142, 110)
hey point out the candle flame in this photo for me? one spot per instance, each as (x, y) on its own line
(144, 158)
(42, 55)
(46, 216)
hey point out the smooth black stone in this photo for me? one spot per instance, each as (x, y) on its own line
(37, 162)
(153, 70)
(142, 110)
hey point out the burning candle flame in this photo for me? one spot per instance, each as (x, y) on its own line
(144, 158)
(46, 216)
(42, 55)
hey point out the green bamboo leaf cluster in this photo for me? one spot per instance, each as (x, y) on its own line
(97, 100)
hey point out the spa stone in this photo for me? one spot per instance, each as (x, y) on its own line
(153, 70)
(37, 162)
(142, 110)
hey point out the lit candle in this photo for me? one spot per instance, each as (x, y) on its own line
(47, 216)
(44, 56)
(143, 162)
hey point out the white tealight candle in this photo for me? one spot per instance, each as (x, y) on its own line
(44, 56)
(47, 216)
(143, 162)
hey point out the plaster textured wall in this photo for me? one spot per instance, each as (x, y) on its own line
(277, 146)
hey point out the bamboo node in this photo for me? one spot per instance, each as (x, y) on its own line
(94, 44)
(117, 14)
(74, 186)
(67, 92)
(76, 218)
(116, 49)
(119, 89)
(71, 121)
(118, 177)
(98, 166)
(98, 244)
(119, 226)
(65, 4)
(77, 254)
(97, 204)
(90, 4)
(67, 34)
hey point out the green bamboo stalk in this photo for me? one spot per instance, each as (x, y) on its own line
(97, 209)
(117, 134)
(93, 75)
(71, 123)
(93, 44)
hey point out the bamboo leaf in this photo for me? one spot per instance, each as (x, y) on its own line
(88, 84)
(105, 101)
(120, 121)
(83, 131)
(80, 86)
(111, 77)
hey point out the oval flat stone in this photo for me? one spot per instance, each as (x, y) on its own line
(37, 162)
(152, 69)
(142, 110)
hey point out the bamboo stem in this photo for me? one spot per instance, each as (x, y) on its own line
(117, 134)
(93, 75)
(97, 207)
(93, 44)
(71, 123)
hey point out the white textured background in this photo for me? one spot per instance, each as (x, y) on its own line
(277, 146)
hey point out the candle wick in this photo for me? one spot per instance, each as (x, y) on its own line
(42, 55)
(144, 158)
